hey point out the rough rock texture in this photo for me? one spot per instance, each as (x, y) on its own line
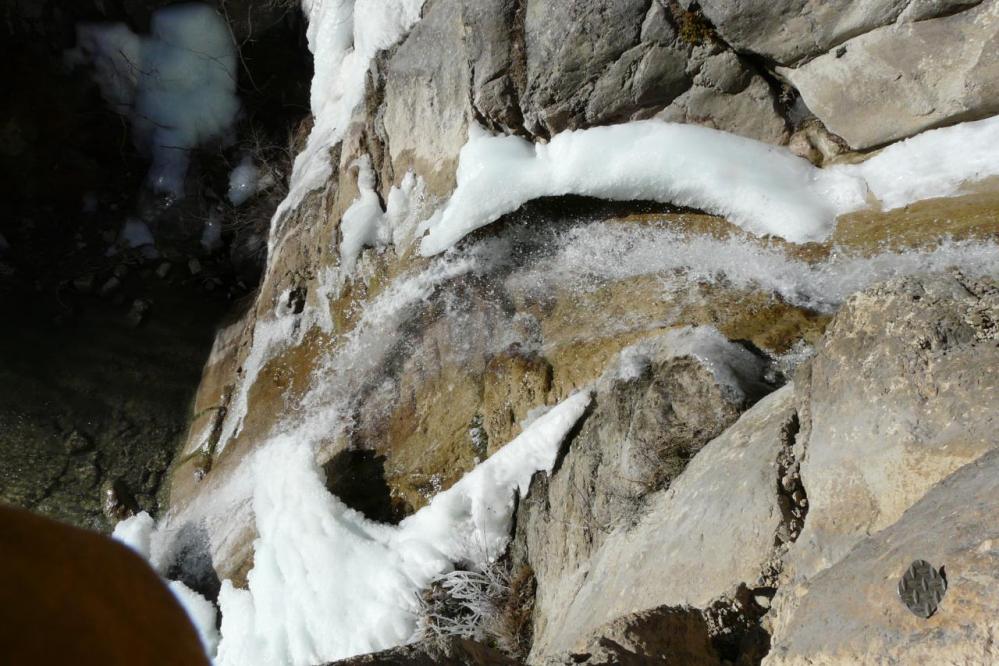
(443, 394)
(807, 494)
(632, 59)
(903, 390)
(851, 613)
(511, 67)
(663, 635)
(723, 523)
(898, 80)
(787, 31)
(92, 409)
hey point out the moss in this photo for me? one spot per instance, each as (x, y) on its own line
(691, 24)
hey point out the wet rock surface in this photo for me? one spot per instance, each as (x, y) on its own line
(851, 612)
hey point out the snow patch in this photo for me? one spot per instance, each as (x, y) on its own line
(201, 612)
(365, 224)
(136, 532)
(937, 163)
(344, 36)
(327, 583)
(177, 86)
(762, 188)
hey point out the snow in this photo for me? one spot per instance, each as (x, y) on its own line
(365, 224)
(762, 188)
(344, 36)
(937, 163)
(731, 365)
(243, 182)
(201, 612)
(177, 86)
(327, 583)
(136, 533)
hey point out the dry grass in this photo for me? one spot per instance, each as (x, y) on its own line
(493, 606)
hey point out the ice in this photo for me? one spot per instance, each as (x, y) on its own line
(937, 163)
(762, 188)
(365, 224)
(732, 366)
(136, 533)
(201, 612)
(327, 583)
(344, 36)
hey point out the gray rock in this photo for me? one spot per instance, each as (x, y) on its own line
(427, 103)
(494, 31)
(640, 436)
(628, 60)
(788, 31)
(851, 613)
(903, 390)
(722, 524)
(749, 112)
(643, 77)
(901, 79)
(569, 46)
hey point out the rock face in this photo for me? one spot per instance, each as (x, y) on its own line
(851, 612)
(788, 31)
(630, 60)
(685, 509)
(723, 523)
(895, 81)
(903, 391)
(512, 67)
(824, 491)
(661, 635)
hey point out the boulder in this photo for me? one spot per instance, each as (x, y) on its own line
(898, 80)
(903, 390)
(851, 613)
(633, 546)
(661, 635)
(789, 31)
(426, 107)
(627, 60)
